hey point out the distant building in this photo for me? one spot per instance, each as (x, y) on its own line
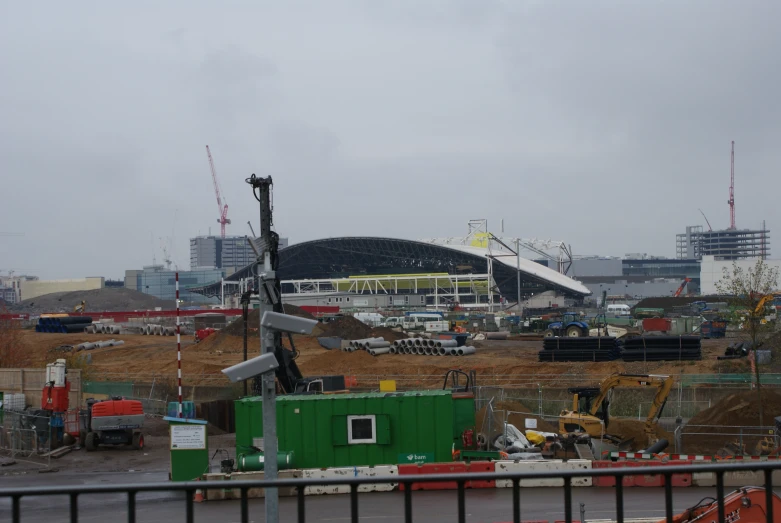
(713, 270)
(11, 287)
(160, 282)
(230, 253)
(726, 244)
(32, 288)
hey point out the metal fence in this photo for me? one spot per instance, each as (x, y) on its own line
(189, 489)
(26, 436)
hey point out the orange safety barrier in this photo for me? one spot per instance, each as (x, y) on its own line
(443, 468)
(610, 481)
(481, 466)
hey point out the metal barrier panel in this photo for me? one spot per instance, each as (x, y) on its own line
(764, 470)
(27, 436)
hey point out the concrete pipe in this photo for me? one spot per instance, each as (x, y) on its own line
(501, 335)
(171, 331)
(463, 351)
(378, 344)
(431, 343)
(418, 342)
(428, 351)
(394, 349)
(367, 340)
(447, 343)
(378, 351)
(420, 351)
(117, 343)
(148, 330)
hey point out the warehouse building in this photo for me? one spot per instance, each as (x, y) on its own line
(32, 288)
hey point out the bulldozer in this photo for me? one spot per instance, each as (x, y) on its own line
(590, 405)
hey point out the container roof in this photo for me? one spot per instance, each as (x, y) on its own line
(355, 395)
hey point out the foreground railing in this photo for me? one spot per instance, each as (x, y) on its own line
(190, 489)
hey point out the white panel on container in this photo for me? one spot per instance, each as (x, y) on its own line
(379, 471)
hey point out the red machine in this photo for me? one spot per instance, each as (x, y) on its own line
(114, 422)
(747, 505)
(202, 334)
(682, 287)
(54, 396)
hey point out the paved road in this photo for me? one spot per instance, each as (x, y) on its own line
(482, 506)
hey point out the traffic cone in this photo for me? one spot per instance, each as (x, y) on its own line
(199, 495)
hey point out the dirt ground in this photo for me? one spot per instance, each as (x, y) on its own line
(506, 362)
(154, 457)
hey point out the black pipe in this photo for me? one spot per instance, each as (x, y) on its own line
(78, 327)
(71, 320)
(656, 447)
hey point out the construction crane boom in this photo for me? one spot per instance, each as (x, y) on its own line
(221, 209)
(706, 220)
(731, 200)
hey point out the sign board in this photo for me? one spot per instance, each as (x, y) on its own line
(531, 423)
(416, 457)
(188, 437)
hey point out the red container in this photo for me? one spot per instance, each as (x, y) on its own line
(657, 324)
(55, 399)
(481, 466)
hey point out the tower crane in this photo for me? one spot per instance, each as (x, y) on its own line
(221, 209)
(731, 200)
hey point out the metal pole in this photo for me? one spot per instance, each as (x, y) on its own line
(518, 259)
(245, 317)
(178, 347)
(268, 383)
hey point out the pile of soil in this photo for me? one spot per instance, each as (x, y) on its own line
(346, 327)
(387, 334)
(236, 327)
(517, 414)
(634, 429)
(109, 299)
(726, 417)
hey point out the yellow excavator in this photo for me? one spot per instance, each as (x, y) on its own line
(590, 405)
(81, 307)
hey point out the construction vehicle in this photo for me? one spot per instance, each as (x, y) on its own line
(570, 325)
(747, 505)
(81, 307)
(116, 421)
(590, 405)
(682, 287)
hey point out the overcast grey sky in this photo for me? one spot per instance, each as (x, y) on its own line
(605, 124)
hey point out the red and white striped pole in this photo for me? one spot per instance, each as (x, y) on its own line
(178, 346)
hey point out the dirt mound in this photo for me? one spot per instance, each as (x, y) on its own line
(517, 414)
(387, 334)
(106, 299)
(236, 327)
(346, 327)
(714, 428)
(635, 430)
(741, 409)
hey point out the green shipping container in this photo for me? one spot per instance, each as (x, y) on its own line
(361, 429)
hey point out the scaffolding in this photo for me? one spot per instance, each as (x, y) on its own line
(726, 244)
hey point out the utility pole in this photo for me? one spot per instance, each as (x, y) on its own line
(270, 299)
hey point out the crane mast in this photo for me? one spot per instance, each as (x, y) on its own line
(221, 209)
(731, 200)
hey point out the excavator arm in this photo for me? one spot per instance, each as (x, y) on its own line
(747, 505)
(663, 384)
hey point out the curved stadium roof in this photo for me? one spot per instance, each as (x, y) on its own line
(366, 256)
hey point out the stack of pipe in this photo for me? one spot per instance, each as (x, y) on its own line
(427, 347)
(65, 324)
(158, 330)
(99, 345)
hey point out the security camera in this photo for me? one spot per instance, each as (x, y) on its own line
(287, 323)
(251, 368)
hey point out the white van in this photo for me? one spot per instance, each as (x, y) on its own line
(372, 319)
(418, 320)
(619, 310)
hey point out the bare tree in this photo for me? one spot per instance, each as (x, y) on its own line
(749, 290)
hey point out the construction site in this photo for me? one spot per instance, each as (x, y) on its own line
(389, 358)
